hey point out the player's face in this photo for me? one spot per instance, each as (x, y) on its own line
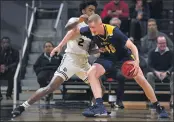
(48, 48)
(96, 27)
(161, 43)
(89, 10)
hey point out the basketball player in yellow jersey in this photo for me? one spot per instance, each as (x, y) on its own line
(116, 48)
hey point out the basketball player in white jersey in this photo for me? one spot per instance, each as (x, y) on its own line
(75, 60)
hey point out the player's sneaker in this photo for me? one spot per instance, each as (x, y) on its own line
(95, 110)
(17, 111)
(162, 113)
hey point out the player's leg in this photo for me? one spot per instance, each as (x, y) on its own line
(59, 77)
(140, 79)
(94, 73)
(83, 75)
(54, 84)
(93, 77)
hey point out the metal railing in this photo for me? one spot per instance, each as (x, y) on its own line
(28, 31)
(58, 16)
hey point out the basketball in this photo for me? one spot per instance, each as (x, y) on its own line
(126, 68)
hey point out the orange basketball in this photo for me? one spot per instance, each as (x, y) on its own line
(126, 68)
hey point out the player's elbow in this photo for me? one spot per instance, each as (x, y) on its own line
(130, 45)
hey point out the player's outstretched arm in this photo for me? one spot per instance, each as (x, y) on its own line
(69, 36)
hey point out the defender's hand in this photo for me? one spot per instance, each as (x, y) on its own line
(56, 50)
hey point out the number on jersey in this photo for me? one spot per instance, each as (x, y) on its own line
(80, 43)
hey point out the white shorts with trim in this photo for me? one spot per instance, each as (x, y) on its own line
(73, 64)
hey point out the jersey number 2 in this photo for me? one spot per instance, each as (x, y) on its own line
(80, 43)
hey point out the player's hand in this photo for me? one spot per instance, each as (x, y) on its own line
(83, 18)
(135, 68)
(56, 50)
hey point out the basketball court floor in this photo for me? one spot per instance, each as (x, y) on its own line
(134, 111)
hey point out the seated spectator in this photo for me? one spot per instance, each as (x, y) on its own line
(160, 63)
(139, 14)
(149, 41)
(9, 58)
(116, 8)
(156, 8)
(45, 65)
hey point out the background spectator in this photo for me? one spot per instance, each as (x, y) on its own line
(156, 8)
(115, 22)
(139, 14)
(119, 9)
(9, 58)
(160, 63)
(45, 65)
(149, 41)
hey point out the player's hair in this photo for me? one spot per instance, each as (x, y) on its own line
(48, 42)
(94, 18)
(86, 3)
(151, 20)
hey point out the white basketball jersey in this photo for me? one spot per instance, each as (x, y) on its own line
(80, 45)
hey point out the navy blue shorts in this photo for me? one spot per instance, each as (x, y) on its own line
(109, 65)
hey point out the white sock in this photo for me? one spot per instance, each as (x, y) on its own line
(25, 104)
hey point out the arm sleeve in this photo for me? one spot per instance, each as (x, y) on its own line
(172, 62)
(37, 66)
(85, 31)
(120, 36)
(15, 56)
(169, 43)
(150, 61)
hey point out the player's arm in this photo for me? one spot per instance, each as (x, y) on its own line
(69, 36)
(73, 22)
(133, 49)
(125, 41)
(93, 49)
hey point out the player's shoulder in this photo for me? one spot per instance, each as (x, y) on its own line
(85, 31)
(110, 29)
(73, 19)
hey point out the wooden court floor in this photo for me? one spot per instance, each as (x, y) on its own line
(134, 111)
